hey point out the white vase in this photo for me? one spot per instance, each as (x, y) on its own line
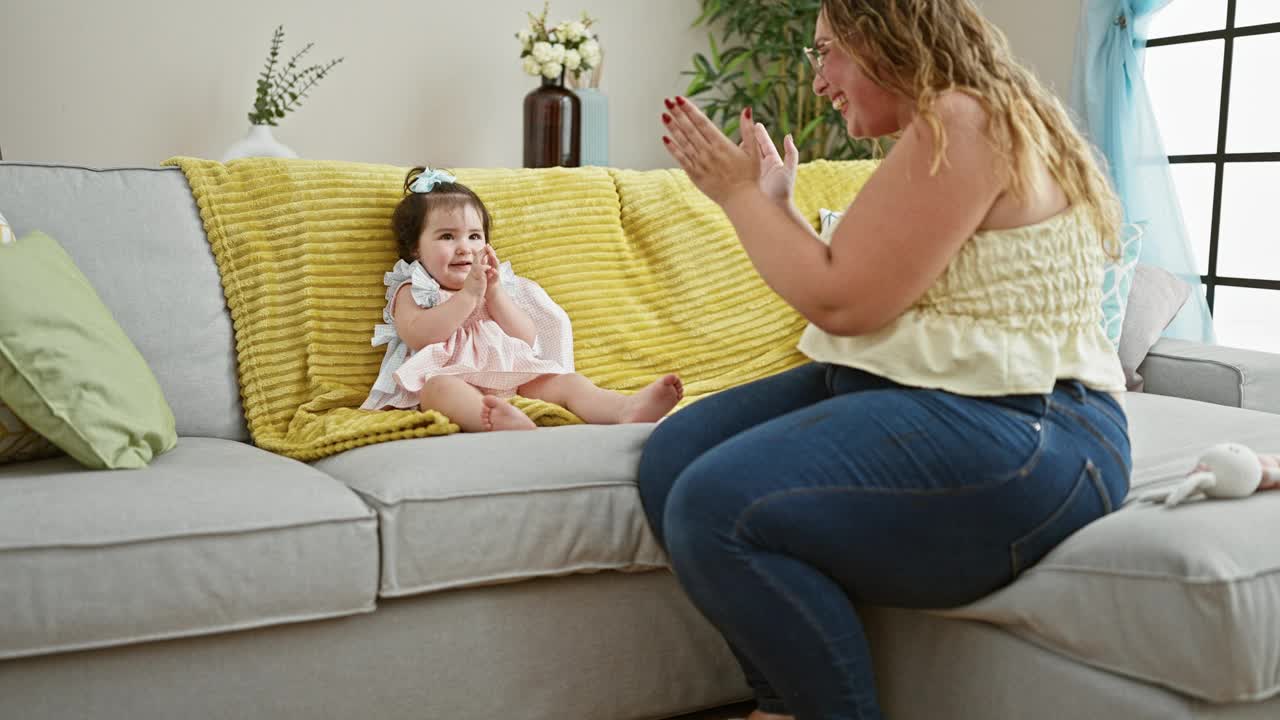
(258, 143)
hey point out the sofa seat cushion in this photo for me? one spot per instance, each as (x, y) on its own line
(1185, 597)
(214, 535)
(485, 508)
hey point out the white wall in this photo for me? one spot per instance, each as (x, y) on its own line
(424, 81)
(434, 81)
(1042, 34)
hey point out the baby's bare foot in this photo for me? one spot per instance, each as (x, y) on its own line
(498, 414)
(654, 401)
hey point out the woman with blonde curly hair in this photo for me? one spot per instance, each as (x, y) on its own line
(960, 416)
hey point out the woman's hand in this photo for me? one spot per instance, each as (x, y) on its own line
(777, 176)
(714, 164)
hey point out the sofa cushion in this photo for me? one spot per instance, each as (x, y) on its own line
(213, 536)
(66, 367)
(136, 235)
(1185, 597)
(484, 508)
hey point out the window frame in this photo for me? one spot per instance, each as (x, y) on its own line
(1221, 157)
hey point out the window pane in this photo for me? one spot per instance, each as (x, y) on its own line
(1190, 16)
(1251, 120)
(1249, 238)
(1185, 82)
(1194, 183)
(1246, 317)
(1254, 12)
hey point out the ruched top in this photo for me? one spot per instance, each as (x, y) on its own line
(1016, 310)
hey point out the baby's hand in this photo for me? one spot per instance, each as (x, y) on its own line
(477, 282)
(491, 271)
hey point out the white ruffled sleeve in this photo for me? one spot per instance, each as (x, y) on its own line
(426, 293)
(425, 289)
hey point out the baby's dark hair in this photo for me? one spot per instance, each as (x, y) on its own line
(410, 216)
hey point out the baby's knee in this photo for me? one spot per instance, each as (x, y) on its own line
(435, 385)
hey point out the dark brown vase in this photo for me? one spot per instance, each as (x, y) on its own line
(552, 125)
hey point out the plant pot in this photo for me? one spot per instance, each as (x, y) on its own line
(552, 122)
(258, 143)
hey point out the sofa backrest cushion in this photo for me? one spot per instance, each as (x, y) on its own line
(136, 235)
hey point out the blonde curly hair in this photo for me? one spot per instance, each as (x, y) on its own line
(921, 49)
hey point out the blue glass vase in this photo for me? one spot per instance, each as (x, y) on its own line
(595, 126)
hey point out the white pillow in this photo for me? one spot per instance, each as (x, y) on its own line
(1154, 300)
(6, 233)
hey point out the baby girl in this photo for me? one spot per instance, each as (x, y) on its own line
(463, 332)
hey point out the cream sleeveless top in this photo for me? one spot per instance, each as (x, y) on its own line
(1015, 311)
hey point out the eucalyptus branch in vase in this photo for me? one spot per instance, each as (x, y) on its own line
(281, 90)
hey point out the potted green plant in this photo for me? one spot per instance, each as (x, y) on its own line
(759, 62)
(280, 90)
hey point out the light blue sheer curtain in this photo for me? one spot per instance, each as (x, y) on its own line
(1109, 97)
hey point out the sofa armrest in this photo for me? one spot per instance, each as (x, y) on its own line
(1213, 373)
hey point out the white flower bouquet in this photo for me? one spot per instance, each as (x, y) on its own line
(570, 47)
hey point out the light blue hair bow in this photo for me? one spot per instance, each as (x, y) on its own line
(426, 182)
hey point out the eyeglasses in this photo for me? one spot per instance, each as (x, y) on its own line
(817, 57)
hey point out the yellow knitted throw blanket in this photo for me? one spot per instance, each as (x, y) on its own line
(649, 271)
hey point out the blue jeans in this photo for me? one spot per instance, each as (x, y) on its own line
(785, 501)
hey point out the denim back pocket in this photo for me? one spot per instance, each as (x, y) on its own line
(1022, 433)
(1086, 502)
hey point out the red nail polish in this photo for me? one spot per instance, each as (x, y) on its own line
(748, 113)
(666, 118)
(680, 100)
(666, 140)
(670, 105)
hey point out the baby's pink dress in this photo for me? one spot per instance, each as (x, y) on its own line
(480, 352)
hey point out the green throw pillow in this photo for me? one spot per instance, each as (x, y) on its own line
(66, 367)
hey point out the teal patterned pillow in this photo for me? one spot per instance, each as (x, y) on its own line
(1117, 280)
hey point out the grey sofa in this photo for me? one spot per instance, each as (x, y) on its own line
(435, 578)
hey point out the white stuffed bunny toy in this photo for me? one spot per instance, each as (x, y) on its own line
(1229, 470)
